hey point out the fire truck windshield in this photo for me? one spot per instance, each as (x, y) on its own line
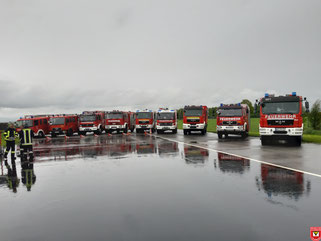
(280, 108)
(230, 112)
(144, 115)
(114, 115)
(86, 118)
(57, 121)
(165, 116)
(193, 112)
(27, 123)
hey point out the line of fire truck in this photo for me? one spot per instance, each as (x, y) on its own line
(280, 118)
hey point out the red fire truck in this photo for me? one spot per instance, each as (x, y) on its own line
(195, 155)
(195, 119)
(232, 164)
(39, 124)
(63, 124)
(145, 120)
(119, 121)
(233, 119)
(91, 121)
(277, 181)
(281, 118)
(166, 121)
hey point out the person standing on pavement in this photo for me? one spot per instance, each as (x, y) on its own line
(26, 136)
(10, 136)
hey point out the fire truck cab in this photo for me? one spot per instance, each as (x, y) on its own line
(63, 124)
(91, 121)
(166, 120)
(120, 121)
(195, 119)
(145, 120)
(233, 119)
(39, 124)
(281, 118)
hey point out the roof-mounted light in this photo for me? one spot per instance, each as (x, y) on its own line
(266, 95)
(293, 93)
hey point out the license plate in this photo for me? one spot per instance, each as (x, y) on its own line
(114, 127)
(87, 129)
(143, 126)
(165, 128)
(279, 129)
(193, 126)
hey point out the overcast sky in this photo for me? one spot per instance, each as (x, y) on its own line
(74, 55)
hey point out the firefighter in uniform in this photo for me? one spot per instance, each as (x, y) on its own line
(10, 135)
(26, 137)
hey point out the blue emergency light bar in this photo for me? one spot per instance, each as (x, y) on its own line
(221, 104)
(293, 93)
(266, 95)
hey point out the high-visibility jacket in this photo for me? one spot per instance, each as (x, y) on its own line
(10, 134)
(26, 137)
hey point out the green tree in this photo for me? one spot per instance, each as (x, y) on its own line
(249, 103)
(315, 115)
(180, 113)
(212, 112)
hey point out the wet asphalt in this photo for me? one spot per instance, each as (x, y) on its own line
(168, 187)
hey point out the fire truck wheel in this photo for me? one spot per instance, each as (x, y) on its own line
(185, 132)
(126, 130)
(69, 132)
(264, 140)
(174, 131)
(226, 135)
(203, 132)
(160, 132)
(41, 134)
(243, 134)
(53, 135)
(220, 135)
(298, 140)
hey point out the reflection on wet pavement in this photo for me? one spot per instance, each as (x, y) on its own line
(147, 188)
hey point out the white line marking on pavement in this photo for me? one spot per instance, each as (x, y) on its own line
(251, 159)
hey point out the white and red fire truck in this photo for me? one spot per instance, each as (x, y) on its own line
(92, 121)
(120, 121)
(195, 119)
(38, 123)
(166, 120)
(145, 121)
(233, 119)
(281, 118)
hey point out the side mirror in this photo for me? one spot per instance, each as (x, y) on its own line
(307, 106)
(218, 113)
(247, 111)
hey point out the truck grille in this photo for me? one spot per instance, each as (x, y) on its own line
(192, 120)
(229, 122)
(143, 122)
(280, 122)
(166, 124)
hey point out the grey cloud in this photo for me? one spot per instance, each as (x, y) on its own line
(73, 55)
